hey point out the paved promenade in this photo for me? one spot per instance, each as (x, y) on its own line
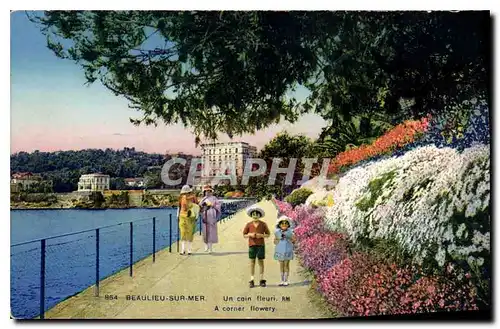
(199, 286)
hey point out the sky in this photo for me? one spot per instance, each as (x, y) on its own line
(52, 109)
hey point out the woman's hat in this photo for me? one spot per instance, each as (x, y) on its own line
(255, 208)
(207, 188)
(186, 189)
(285, 219)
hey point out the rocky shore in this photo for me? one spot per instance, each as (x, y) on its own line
(34, 206)
(91, 200)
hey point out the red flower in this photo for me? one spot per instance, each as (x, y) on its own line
(399, 136)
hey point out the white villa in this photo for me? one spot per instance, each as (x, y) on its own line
(93, 182)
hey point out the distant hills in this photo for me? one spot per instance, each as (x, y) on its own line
(64, 168)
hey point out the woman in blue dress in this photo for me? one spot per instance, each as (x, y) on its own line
(284, 240)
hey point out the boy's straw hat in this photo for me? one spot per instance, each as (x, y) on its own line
(186, 189)
(255, 208)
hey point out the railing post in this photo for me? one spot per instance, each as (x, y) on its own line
(131, 247)
(178, 234)
(42, 280)
(97, 262)
(170, 233)
(154, 239)
(200, 217)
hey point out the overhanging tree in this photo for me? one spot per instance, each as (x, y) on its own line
(285, 147)
(233, 72)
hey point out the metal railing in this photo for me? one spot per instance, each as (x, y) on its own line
(228, 211)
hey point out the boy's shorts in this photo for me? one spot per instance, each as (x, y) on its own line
(257, 252)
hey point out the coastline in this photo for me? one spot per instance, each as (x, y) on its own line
(62, 201)
(90, 208)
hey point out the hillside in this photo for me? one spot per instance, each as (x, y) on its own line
(65, 167)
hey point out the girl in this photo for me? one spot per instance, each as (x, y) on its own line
(187, 213)
(284, 240)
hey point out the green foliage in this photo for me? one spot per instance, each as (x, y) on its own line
(64, 168)
(258, 188)
(455, 120)
(298, 196)
(222, 189)
(342, 134)
(97, 199)
(233, 72)
(39, 187)
(94, 199)
(375, 187)
(152, 179)
(481, 275)
(285, 147)
(117, 183)
(159, 200)
(121, 199)
(149, 201)
(33, 197)
(384, 249)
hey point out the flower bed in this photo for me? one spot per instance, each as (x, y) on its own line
(364, 284)
(397, 137)
(407, 230)
(459, 127)
(361, 285)
(284, 208)
(433, 202)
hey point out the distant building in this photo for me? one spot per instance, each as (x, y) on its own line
(93, 182)
(15, 188)
(24, 180)
(134, 182)
(224, 159)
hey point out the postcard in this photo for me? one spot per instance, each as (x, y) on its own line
(250, 165)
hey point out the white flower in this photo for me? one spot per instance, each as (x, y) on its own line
(482, 240)
(460, 230)
(440, 256)
(428, 186)
(470, 260)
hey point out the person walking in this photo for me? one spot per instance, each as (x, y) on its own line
(210, 208)
(187, 213)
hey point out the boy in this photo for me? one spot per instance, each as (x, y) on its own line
(256, 231)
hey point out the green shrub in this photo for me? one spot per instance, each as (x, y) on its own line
(96, 199)
(376, 188)
(298, 196)
(35, 197)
